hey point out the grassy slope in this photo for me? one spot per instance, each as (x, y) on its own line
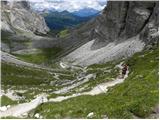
(137, 95)
(35, 81)
(23, 78)
(45, 56)
(15, 75)
(6, 101)
(103, 72)
(64, 33)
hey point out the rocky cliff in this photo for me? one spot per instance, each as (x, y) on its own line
(22, 28)
(119, 21)
(123, 19)
(123, 28)
(16, 17)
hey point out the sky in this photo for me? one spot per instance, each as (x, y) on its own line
(69, 5)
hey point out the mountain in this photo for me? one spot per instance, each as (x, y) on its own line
(122, 31)
(61, 20)
(17, 16)
(21, 27)
(81, 75)
(86, 12)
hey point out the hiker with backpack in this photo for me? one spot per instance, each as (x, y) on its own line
(124, 70)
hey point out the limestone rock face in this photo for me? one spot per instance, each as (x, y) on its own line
(16, 16)
(125, 19)
(150, 33)
(122, 29)
(119, 21)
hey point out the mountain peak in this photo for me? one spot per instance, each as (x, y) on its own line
(86, 12)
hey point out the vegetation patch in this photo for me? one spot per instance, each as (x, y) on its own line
(63, 33)
(136, 96)
(16, 75)
(47, 55)
(104, 73)
(6, 101)
(10, 117)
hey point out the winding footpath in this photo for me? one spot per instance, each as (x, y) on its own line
(22, 109)
(66, 89)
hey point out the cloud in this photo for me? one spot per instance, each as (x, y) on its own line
(69, 5)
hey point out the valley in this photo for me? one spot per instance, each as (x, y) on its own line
(58, 65)
(53, 89)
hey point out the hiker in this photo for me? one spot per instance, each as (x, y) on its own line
(124, 70)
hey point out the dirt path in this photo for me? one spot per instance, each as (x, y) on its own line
(101, 88)
(66, 89)
(19, 110)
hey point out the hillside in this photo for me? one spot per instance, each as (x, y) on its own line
(105, 68)
(86, 12)
(24, 32)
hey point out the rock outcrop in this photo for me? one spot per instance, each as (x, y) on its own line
(109, 34)
(17, 17)
(22, 28)
(124, 19)
(119, 21)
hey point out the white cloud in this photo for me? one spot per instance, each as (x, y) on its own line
(69, 5)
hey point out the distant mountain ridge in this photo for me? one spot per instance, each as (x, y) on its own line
(86, 12)
(61, 20)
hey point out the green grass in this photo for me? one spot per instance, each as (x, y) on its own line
(101, 78)
(68, 77)
(35, 81)
(104, 73)
(47, 55)
(33, 58)
(10, 117)
(6, 101)
(53, 95)
(63, 33)
(16, 75)
(136, 96)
